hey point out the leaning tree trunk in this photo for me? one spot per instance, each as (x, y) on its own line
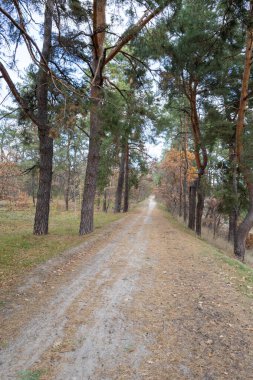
(45, 141)
(119, 190)
(126, 193)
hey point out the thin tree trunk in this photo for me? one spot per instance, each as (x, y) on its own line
(126, 193)
(233, 217)
(33, 187)
(185, 198)
(105, 201)
(186, 164)
(192, 205)
(45, 141)
(180, 190)
(67, 188)
(200, 206)
(200, 150)
(119, 190)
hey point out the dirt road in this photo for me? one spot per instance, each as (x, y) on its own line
(143, 300)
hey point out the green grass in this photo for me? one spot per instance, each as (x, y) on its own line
(30, 375)
(20, 250)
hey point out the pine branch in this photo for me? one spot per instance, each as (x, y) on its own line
(132, 32)
(116, 87)
(17, 95)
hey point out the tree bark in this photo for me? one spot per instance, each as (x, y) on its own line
(33, 187)
(244, 228)
(45, 141)
(96, 125)
(185, 168)
(180, 189)
(192, 205)
(200, 155)
(119, 190)
(67, 187)
(244, 166)
(87, 210)
(200, 206)
(105, 201)
(185, 198)
(232, 225)
(126, 193)
(233, 217)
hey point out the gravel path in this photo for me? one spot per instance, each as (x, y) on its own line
(145, 300)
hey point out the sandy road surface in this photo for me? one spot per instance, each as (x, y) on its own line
(148, 302)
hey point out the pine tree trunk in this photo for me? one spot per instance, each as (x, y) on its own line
(180, 192)
(200, 207)
(45, 141)
(185, 167)
(233, 216)
(33, 187)
(126, 193)
(96, 125)
(45, 181)
(185, 197)
(67, 191)
(244, 165)
(244, 228)
(67, 188)
(119, 190)
(232, 225)
(200, 153)
(192, 205)
(87, 210)
(105, 201)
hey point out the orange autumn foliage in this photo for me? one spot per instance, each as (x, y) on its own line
(175, 169)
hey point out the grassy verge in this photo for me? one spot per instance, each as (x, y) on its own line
(241, 274)
(20, 250)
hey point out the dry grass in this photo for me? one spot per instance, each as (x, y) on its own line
(20, 250)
